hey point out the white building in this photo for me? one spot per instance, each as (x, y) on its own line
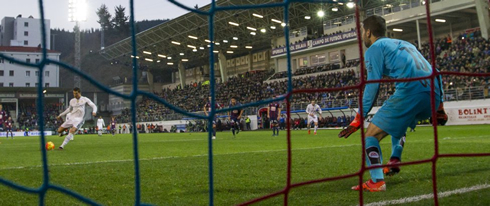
(23, 32)
(16, 75)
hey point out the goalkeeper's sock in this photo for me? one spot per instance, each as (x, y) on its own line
(316, 128)
(214, 132)
(374, 157)
(233, 130)
(277, 130)
(273, 131)
(67, 139)
(397, 147)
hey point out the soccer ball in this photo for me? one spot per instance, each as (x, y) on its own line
(49, 146)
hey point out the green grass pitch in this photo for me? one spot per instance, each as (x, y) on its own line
(174, 168)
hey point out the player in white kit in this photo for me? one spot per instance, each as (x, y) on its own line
(313, 111)
(100, 125)
(74, 115)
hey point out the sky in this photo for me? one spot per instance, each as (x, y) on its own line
(57, 10)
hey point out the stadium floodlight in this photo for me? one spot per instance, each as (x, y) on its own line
(147, 52)
(253, 33)
(215, 51)
(176, 43)
(190, 46)
(207, 40)
(201, 48)
(181, 54)
(233, 46)
(217, 43)
(162, 56)
(398, 30)
(225, 41)
(235, 38)
(170, 63)
(248, 47)
(77, 10)
(150, 60)
(229, 52)
(184, 60)
(194, 50)
(307, 17)
(263, 30)
(158, 61)
(169, 58)
(44, 91)
(320, 13)
(335, 9)
(273, 27)
(350, 5)
(192, 37)
(340, 3)
(283, 24)
(441, 20)
(257, 15)
(251, 28)
(277, 21)
(233, 23)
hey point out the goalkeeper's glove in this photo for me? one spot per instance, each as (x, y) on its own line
(353, 127)
(441, 115)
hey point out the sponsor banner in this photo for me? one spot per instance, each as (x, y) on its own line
(334, 38)
(8, 100)
(22, 134)
(7, 95)
(54, 95)
(294, 47)
(468, 115)
(28, 95)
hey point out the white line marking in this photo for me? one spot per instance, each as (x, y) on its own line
(171, 157)
(430, 196)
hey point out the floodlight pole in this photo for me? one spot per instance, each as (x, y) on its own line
(78, 58)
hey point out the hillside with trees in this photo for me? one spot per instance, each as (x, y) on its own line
(116, 28)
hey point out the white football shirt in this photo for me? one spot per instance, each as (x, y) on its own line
(313, 109)
(76, 109)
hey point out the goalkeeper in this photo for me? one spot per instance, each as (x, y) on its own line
(410, 103)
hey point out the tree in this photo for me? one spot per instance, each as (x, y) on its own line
(120, 20)
(104, 17)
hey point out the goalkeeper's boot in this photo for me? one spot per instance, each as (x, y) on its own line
(309, 131)
(392, 170)
(315, 133)
(370, 186)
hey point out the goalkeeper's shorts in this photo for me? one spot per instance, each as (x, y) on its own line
(400, 112)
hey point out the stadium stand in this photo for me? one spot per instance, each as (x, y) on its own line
(467, 53)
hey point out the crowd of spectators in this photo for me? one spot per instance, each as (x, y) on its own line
(28, 118)
(468, 53)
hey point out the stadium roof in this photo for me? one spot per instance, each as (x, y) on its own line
(177, 38)
(191, 30)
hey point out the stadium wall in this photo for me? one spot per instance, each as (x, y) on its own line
(459, 113)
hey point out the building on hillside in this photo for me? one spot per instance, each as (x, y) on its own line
(21, 31)
(16, 75)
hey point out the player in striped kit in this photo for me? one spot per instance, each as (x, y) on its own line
(3, 117)
(207, 108)
(113, 126)
(235, 116)
(74, 115)
(8, 127)
(313, 111)
(273, 112)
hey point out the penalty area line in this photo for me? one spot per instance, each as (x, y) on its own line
(430, 196)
